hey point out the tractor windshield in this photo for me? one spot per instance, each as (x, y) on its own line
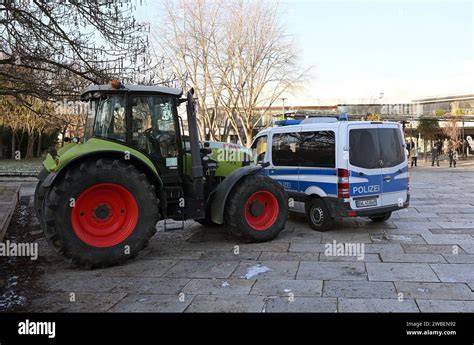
(110, 120)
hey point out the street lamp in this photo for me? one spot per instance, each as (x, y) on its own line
(283, 107)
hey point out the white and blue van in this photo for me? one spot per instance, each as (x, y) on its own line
(334, 168)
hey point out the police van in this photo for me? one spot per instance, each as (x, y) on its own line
(333, 168)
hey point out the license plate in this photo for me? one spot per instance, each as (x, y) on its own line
(366, 202)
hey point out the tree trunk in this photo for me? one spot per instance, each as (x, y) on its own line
(30, 145)
(63, 136)
(1, 143)
(38, 150)
(13, 146)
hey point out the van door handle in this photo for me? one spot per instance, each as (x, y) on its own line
(387, 178)
(361, 173)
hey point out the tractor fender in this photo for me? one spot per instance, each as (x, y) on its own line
(154, 178)
(224, 189)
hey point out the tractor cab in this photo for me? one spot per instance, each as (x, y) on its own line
(142, 117)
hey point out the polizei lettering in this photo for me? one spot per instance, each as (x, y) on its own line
(374, 188)
(37, 328)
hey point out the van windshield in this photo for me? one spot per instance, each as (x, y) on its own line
(372, 148)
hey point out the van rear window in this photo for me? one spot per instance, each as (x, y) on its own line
(364, 148)
(391, 147)
(372, 148)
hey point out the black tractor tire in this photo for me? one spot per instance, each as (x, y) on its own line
(207, 221)
(270, 209)
(381, 218)
(78, 182)
(40, 192)
(318, 215)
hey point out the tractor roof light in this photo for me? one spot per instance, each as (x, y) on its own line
(116, 84)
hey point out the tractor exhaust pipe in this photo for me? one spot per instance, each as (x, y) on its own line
(196, 168)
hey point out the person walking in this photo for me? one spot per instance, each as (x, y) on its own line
(414, 155)
(453, 157)
(434, 155)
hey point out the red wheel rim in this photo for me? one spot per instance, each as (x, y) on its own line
(104, 215)
(261, 210)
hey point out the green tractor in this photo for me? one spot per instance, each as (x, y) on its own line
(99, 199)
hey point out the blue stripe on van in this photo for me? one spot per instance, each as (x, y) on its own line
(373, 186)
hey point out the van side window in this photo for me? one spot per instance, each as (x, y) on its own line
(317, 149)
(364, 148)
(284, 149)
(259, 147)
(391, 146)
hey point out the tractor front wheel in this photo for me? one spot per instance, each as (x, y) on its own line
(257, 209)
(100, 213)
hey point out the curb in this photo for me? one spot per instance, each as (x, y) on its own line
(8, 200)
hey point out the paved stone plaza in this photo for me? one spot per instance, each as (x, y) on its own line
(422, 259)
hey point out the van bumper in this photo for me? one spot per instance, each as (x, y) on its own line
(338, 208)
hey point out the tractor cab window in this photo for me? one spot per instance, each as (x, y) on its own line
(153, 129)
(110, 118)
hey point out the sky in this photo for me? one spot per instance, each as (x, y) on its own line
(384, 51)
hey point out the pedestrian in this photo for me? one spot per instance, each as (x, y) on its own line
(439, 146)
(434, 155)
(453, 157)
(414, 156)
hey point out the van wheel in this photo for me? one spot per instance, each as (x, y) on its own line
(318, 215)
(381, 218)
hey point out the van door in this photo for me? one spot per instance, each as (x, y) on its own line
(284, 158)
(365, 167)
(395, 165)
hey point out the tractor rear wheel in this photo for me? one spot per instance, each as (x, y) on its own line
(100, 213)
(257, 209)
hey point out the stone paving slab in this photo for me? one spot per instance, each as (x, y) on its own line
(152, 303)
(218, 286)
(276, 269)
(435, 291)
(283, 287)
(83, 302)
(164, 286)
(366, 258)
(202, 269)
(379, 305)
(78, 283)
(138, 268)
(359, 289)
(445, 306)
(284, 256)
(301, 305)
(454, 272)
(416, 258)
(400, 272)
(332, 270)
(432, 249)
(227, 303)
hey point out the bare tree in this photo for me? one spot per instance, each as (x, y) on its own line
(236, 55)
(43, 44)
(452, 129)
